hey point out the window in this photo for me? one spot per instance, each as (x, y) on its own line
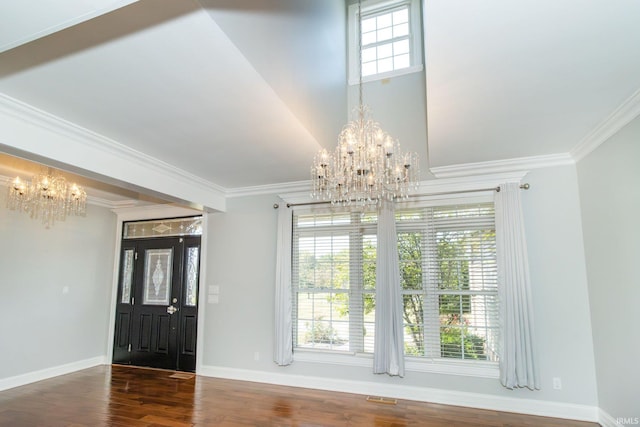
(390, 32)
(447, 259)
(449, 281)
(333, 277)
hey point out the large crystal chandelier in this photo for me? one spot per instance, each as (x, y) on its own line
(47, 197)
(367, 166)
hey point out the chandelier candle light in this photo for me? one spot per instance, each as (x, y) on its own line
(367, 166)
(47, 196)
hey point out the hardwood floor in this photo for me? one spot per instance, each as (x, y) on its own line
(123, 396)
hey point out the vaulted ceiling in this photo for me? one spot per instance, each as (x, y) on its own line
(243, 93)
(512, 79)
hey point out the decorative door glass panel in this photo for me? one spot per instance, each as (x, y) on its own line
(191, 226)
(127, 276)
(191, 288)
(157, 276)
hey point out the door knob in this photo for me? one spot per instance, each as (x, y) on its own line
(171, 309)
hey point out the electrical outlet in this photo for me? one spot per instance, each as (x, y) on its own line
(557, 383)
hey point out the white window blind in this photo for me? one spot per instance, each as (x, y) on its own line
(448, 277)
(332, 281)
(449, 281)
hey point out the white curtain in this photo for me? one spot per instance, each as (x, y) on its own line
(388, 355)
(283, 348)
(518, 363)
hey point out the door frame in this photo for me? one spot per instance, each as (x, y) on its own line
(158, 212)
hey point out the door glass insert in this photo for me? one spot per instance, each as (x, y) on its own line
(191, 288)
(157, 276)
(191, 226)
(127, 276)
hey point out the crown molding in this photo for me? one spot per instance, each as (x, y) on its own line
(42, 119)
(463, 183)
(433, 187)
(103, 203)
(116, 204)
(502, 166)
(129, 213)
(259, 190)
(621, 116)
(103, 147)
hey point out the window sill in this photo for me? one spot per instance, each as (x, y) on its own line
(387, 75)
(469, 368)
(479, 369)
(333, 357)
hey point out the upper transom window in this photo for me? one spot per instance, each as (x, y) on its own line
(390, 34)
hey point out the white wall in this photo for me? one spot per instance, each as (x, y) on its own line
(400, 106)
(609, 179)
(41, 326)
(241, 260)
(558, 276)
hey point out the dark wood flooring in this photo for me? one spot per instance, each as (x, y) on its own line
(122, 396)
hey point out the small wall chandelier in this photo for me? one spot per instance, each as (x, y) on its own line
(47, 197)
(367, 166)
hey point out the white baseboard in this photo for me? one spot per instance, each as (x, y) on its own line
(423, 394)
(606, 420)
(54, 371)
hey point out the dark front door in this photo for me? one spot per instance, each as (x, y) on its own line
(156, 314)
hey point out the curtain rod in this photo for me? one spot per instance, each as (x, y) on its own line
(525, 186)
